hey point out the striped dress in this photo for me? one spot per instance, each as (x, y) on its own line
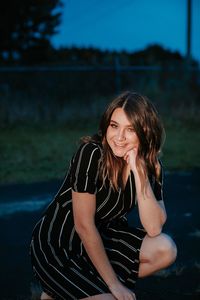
(58, 257)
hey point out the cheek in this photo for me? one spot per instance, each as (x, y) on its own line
(137, 142)
(134, 140)
(109, 134)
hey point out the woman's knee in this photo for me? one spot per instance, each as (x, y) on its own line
(167, 249)
(160, 249)
(100, 297)
(45, 296)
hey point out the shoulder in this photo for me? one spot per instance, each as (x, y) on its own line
(159, 167)
(85, 168)
(86, 162)
(159, 172)
(90, 147)
(158, 176)
(88, 150)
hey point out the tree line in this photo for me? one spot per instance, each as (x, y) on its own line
(26, 29)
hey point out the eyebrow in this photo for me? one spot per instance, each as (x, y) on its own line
(128, 126)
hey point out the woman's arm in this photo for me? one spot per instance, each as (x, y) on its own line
(152, 213)
(84, 207)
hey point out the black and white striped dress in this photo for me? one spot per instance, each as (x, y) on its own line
(58, 257)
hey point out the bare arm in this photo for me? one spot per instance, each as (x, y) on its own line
(84, 207)
(152, 213)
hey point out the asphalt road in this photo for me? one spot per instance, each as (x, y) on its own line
(21, 205)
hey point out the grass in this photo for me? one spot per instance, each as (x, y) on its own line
(37, 153)
(182, 146)
(31, 153)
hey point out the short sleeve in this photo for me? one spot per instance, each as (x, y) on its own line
(158, 185)
(85, 168)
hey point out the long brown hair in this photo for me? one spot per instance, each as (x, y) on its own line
(150, 131)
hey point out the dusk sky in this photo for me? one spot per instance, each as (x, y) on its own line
(129, 25)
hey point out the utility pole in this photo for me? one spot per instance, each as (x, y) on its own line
(189, 19)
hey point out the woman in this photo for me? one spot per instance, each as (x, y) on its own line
(83, 247)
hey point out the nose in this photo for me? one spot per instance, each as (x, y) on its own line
(121, 135)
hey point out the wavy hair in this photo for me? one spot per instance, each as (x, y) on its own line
(148, 126)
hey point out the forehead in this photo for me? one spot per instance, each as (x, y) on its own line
(120, 117)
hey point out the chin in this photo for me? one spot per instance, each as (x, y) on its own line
(119, 153)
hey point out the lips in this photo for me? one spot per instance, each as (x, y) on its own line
(119, 145)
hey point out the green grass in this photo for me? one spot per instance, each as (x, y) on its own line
(181, 150)
(29, 154)
(39, 153)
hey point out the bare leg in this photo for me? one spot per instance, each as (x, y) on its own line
(100, 297)
(44, 296)
(103, 297)
(156, 253)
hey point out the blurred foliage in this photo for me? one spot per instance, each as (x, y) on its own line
(89, 78)
(25, 29)
(29, 94)
(61, 96)
(43, 114)
(152, 55)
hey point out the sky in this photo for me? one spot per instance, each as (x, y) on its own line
(129, 25)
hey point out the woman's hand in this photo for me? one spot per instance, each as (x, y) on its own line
(134, 163)
(120, 292)
(130, 158)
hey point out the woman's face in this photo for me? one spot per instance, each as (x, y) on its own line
(120, 134)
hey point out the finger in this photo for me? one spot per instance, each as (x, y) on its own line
(126, 158)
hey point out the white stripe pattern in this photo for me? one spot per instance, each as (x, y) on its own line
(49, 235)
(106, 200)
(125, 232)
(86, 181)
(105, 215)
(62, 274)
(87, 280)
(120, 253)
(63, 224)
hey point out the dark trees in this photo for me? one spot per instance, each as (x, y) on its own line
(26, 27)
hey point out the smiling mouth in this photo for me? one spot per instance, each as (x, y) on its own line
(119, 145)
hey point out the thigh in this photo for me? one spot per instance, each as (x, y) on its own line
(75, 280)
(152, 245)
(100, 297)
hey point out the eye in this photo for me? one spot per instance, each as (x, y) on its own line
(113, 125)
(130, 129)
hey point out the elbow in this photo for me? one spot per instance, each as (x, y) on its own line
(155, 228)
(154, 231)
(164, 218)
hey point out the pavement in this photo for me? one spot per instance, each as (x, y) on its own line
(22, 204)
